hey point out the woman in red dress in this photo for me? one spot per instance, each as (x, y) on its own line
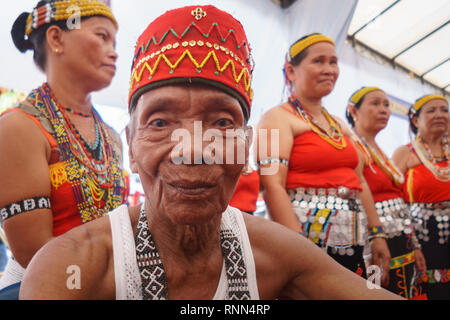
(61, 162)
(427, 188)
(319, 188)
(368, 112)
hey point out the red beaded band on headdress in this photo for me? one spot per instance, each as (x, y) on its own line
(195, 44)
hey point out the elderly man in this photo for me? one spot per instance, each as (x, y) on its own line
(190, 99)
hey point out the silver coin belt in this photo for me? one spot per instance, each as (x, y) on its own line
(340, 227)
(395, 216)
(423, 212)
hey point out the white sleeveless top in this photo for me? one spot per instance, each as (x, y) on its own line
(126, 271)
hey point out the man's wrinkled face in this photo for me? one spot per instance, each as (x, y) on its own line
(189, 147)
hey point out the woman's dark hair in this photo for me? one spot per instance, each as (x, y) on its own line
(36, 41)
(348, 115)
(412, 113)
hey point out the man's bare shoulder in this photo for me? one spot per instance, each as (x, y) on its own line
(275, 239)
(259, 229)
(74, 265)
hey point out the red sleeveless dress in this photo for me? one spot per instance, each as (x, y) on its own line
(66, 215)
(397, 221)
(246, 192)
(430, 206)
(421, 186)
(314, 163)
(381, 186)
(333, 220)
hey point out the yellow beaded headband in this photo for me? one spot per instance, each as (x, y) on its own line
(422, 101)
(60, 10)
(301, 45)
(358, 95)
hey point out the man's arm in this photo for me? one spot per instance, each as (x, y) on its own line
(289, 266)
(321, 277)
(74, 266)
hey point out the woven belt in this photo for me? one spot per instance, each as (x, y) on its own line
(395, 217)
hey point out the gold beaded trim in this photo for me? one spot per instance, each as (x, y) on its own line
(191, 43)
(160, 54)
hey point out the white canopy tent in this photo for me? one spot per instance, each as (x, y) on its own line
(414, 34)
(270, 30)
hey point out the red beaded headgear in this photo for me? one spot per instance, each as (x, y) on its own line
(199, 44)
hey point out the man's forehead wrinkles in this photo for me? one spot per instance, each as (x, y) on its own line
(203, 99)
(161, 102)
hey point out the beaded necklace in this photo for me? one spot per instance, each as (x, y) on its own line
(333, 136)
(95, 148)
(430, 161)
(80, 150)
(387, 166)
(98, 185)
(75, 112)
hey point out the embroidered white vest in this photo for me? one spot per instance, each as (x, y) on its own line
(126, 272)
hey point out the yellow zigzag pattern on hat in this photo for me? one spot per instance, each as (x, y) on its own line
(137, 76)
